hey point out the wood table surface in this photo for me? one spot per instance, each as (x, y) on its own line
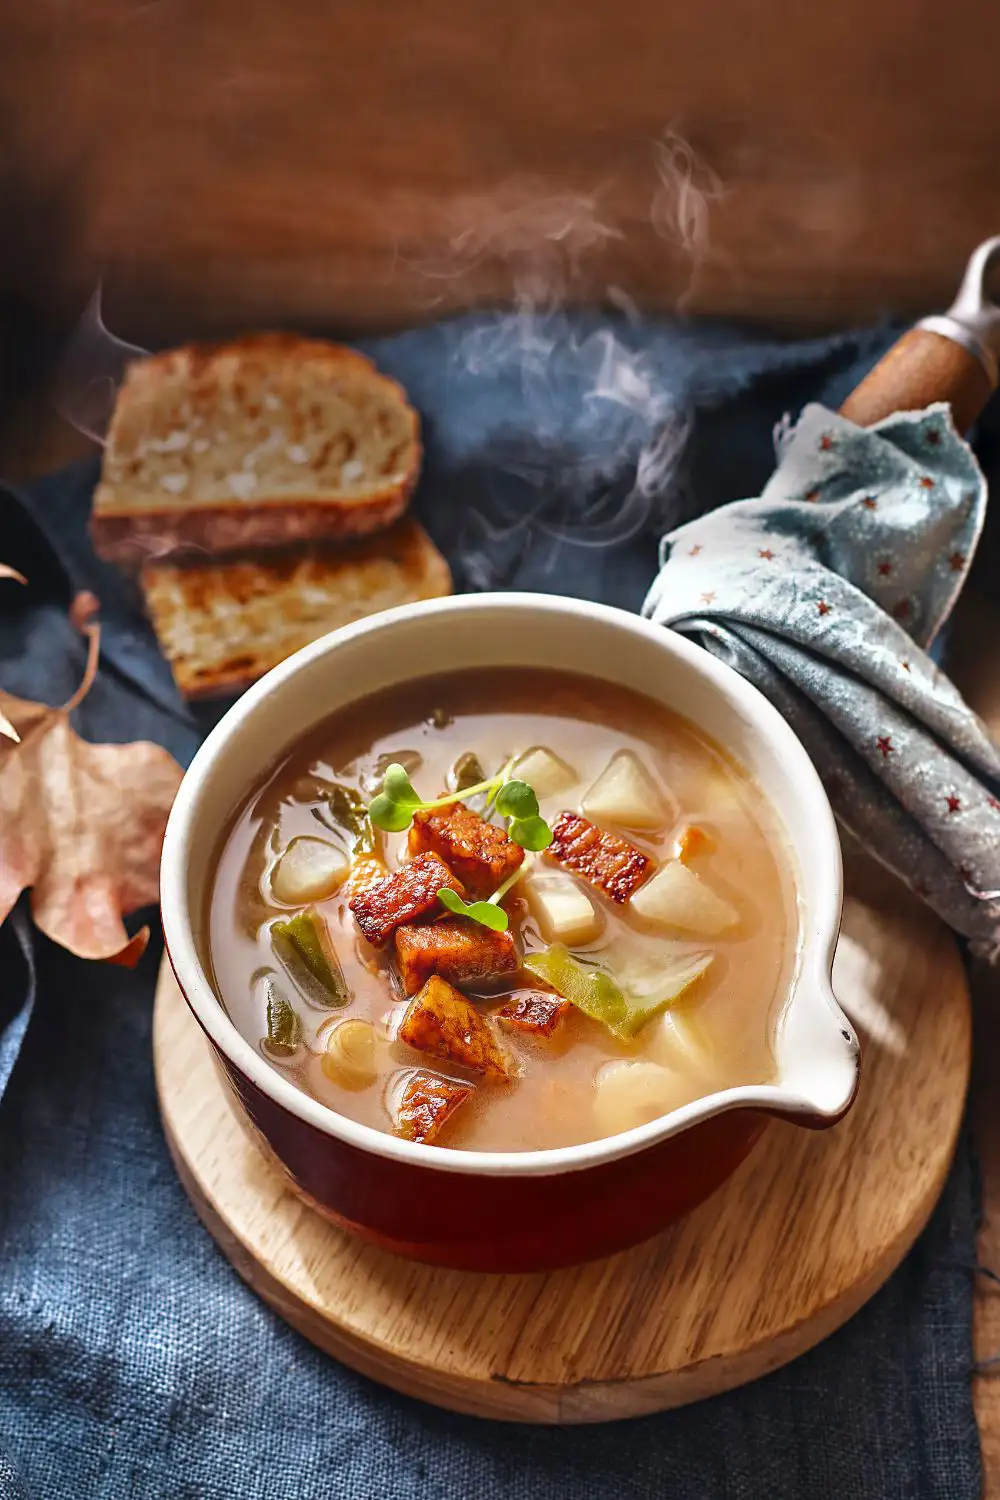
(375, 163)
(36, 442)
(975, 666)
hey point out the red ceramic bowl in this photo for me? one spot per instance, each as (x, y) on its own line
(535, 1209)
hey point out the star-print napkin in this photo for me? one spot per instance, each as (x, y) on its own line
(826, 592)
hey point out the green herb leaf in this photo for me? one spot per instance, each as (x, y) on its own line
(516, 799)
(393, 808)
(371, 779)
(396, 803)
(397, 785)
(391, 817)
(483, 912)
(499, 781)
(531, 833)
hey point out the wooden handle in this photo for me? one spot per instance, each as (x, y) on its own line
(921, 367)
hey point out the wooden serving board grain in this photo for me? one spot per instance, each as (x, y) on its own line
(806, 1231)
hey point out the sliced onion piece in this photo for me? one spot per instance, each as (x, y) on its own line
(349, 1058)
(309, 870)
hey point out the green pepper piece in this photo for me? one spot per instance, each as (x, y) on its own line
(467, 771)
(283, 1027)
(302, 943)
(624, 1011)
(346, 812)
(590, 989)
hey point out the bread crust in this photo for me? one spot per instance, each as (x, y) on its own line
(129, 533)
(182, 598)
(131, 538)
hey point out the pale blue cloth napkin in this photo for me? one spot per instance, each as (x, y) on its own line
(826, 593)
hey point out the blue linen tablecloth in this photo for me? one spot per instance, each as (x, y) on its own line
(133, 1362)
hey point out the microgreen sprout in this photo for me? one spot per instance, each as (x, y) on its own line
(484, 912)
(517, 802)
(487, 913)
(501, 778)
(393, 808)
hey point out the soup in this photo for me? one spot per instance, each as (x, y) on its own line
(593, 924)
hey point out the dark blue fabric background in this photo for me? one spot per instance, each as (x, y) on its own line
(133, 1362)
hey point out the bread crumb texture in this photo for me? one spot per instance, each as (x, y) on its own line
(268, 439)
(223, 624)
(295, 416)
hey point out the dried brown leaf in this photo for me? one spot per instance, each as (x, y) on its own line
(80, 824)
(6, 727)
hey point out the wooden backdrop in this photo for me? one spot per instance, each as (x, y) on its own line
(227, 162)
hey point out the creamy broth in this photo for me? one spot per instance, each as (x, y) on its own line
(573, 1085)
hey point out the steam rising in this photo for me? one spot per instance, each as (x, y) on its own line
(584, 437)
(91, 371)
(593, 435)
(682, 202)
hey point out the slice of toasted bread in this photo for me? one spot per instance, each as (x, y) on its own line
(222, 624)
(266, 441)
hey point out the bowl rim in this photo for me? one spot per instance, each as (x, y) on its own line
(818, 939)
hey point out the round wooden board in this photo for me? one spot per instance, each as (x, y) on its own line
(806, 1231)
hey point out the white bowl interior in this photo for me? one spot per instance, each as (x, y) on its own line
(816, 1050)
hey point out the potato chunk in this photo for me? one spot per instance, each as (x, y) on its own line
(561, 907)
(677, 1041)
(626, 794)
(309, 870)
(457, 949)
(406, 896)
(426, 1105)
(535, 1012)
(676, 897)
(631, 1093)
(480, 853)
(443, 1022)
(616, 867)
(544, 772)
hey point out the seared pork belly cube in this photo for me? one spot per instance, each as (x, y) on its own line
(608, 862)
(536, 1013)
(426, 1105)
(480, 853)
(457, 949)
(440, 1020)
(406, 896)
